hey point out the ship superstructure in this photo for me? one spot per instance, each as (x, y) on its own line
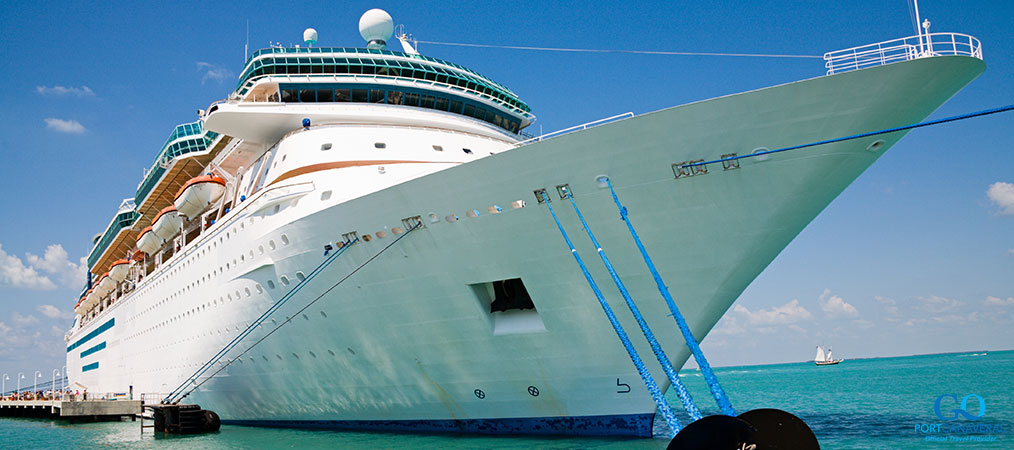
(479, 320)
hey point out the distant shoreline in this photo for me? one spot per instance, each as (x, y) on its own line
(855, 359)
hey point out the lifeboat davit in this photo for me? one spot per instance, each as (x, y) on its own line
(105, 285)
(167, 223)
(198, 194)
(118, 271)
(148, 242)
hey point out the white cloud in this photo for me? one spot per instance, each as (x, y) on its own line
(889, 304)
(835, 306)
(935, 304)
(56, 262)
(213, 72)
(1010, 251)
(14, 273)
(64, 126)
(1002, 194)
(83, 91)
(785, 314)
(997, 301)
(53, 312)
(23, 320)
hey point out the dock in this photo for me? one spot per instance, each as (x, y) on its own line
(86, 410)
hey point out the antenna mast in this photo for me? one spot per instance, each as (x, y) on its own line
(246, 47)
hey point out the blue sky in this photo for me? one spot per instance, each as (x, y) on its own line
(917, 256)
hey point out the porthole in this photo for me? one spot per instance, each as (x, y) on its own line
(367, 238)
(451, 218)
(277, 208)
(379, 145)
(434, 218)
(381, 235)
(300, 276)
(284, 280)
(323, 315)
(271, 244)
(260, 290)
(326, 195)
(326, 146)
(247, 290)
(467, 150)
(473, 213)
(285, 239)
(260, 249)
(285, 156)
(438, 148)
(397, 230)
(271, 284)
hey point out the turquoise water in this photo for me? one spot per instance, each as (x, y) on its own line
(858, 404)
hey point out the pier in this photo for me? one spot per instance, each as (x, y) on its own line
(72, 410)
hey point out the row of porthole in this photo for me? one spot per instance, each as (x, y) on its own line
(472, 214)
(382, 145)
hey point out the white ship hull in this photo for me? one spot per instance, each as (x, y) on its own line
(408, 341)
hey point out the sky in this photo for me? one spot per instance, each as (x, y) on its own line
(917, 256)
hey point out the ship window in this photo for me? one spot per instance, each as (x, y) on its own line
(289, 95)
(426, 101)
(307, 95)
(325, 95)
(304, 69)
(394, 97)
(466, 150)
(368, 70)
(326, 146)
(359, 95)
(342, 95)
(497, 120)
(355, 69)
(442, 104)
(438, 148)
(341, 68)
(489, 116)
(456, 107)
(480, 113)
(469, 110)
(379, 145)
(376, 96)
(411, 99)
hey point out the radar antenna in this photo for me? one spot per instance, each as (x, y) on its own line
(408, 43)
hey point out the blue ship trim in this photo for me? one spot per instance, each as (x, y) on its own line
(636, 425)
(92, 366)
(101, 329)
(94, 349)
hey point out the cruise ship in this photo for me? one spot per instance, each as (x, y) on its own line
(360, 237)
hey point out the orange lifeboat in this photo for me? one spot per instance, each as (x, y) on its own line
(105, 285)
(91, 299)
(167, 223)
(198, 194)
(118, 271)
(147, 242)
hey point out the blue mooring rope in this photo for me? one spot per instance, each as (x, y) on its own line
(681, 391)
(984, 112)
(649, 382)
(260, 319)
(695, 348)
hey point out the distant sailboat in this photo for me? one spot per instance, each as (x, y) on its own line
(821, 360)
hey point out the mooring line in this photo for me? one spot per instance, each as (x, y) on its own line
(300, 311)
(984, 112)
(646, 377)
(709, 375)
(260, 319)
(663, 359)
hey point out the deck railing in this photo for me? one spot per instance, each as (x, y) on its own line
(904, 49)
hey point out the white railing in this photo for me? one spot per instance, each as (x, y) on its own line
(575, 128)
(912, 47)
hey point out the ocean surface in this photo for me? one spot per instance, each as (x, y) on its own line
(885, 403)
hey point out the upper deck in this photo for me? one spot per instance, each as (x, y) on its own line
(277, 74)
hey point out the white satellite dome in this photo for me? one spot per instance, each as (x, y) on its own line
(310, 36)
(376, 26)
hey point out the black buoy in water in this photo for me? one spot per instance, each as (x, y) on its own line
(779, 430)
(758, 429)
(714, 433)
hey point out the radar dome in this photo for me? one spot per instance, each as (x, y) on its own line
(310, 36)
(376, 26)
